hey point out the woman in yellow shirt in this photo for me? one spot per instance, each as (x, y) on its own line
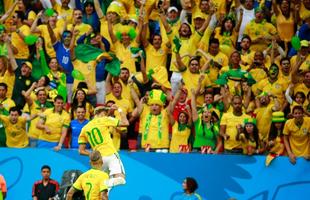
(55, 73)
(30, 15)
(181, 129)
(227, 34)
(285, 20)
(249, 137)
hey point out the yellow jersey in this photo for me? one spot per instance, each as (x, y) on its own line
(19, 43)
(124, 55)
(122, 103)
(155, 58)
(256, 30)
(15, 133)
(231, 121)
(9, 79)
(83, 28)
(87, 69)
(189, 46)
(191, 82)
(92, 183)
(247, 58)
(285, 26)
(55, 122)
(229, 40)
(304, 13)
(104, 31)
(7, 103)
(68, 13)
(97, 134)
(36, 109)
(221, 59)
(305, 66)
(298, 136)
(126, 93)
(276, 88)
(47, 39)
(155, 129)
(263, 117)
(179, 137)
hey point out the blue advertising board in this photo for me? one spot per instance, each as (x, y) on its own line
(159, 176)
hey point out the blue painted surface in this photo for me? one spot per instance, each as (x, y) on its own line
(153, 176)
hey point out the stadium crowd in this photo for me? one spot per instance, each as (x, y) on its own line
(209, 76)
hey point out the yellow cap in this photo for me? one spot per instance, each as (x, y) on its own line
(157, 97)
(199, 14)
(114, 8)
(278, 117)
(28, 64)
(304, 43)
(133, 18)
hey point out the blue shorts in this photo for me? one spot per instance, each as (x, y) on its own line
(46, 144)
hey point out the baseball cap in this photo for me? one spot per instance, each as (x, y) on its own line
(199, 15)
(28, 64)
(133, 18)
(172, 8)
(304, 43)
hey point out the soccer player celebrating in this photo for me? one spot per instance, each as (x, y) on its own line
(97, 134)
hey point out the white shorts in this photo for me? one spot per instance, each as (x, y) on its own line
(113, 165)
(100, 86)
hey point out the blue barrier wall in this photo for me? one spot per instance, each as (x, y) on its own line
(157, 176)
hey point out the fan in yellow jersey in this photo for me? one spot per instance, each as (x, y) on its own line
(272, 84)
(18, 35)
(42, 30)
(303, 56)
(154, 121)
(228, 127)
(247, 56)
(77, 24)
(124, 40)
(185, 43)
(97, 134)
(88, 69)
(263, 112)
(63, 10)
(15, 129)
(191, 75)
(35, 107)
(260, 31)
(181, 128)
(296, 135)
(6, 103)
(92, 182)
(54, 123)
(114, 12)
